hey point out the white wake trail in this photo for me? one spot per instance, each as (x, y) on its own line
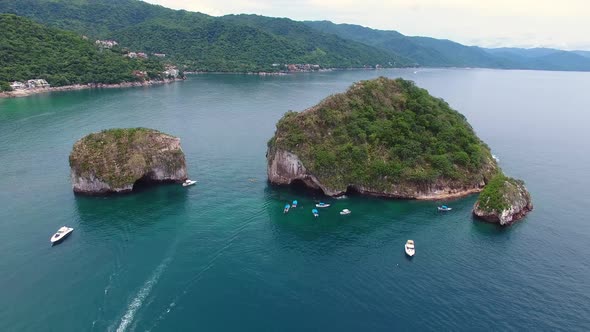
(140, 297)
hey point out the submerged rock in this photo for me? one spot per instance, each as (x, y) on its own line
(384, 138)
(114, 160)
(504, 201)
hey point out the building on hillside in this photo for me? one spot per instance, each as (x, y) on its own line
(106, 43)
(160, 55)
(37, 83)
(171, 71)
(131, 55)
(16, 85)
(142, 55)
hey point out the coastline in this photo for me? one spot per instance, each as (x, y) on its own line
(31, 92)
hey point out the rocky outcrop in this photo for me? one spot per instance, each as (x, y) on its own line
(115, 160)
(385, 138)
(284, 168)
(503, 201)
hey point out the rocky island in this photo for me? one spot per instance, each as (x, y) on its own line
(382, 137)
(114, 160)
(504, 200)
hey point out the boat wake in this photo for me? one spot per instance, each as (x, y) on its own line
(200, 273)
(140, 297)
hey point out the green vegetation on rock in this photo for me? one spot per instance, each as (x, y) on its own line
(119, 157)
(495, 197)
(29, 50)
(383, 134)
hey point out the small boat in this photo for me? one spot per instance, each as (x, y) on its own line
(61, 234)
(315, 212)
(287, 207)
(345, 212)
(322, 205)
(188, 183)
(410, 251)
(444, 208)
(294, 204)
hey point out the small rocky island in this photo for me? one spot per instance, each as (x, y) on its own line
(115, 160)
(382, 137)
(504, 200)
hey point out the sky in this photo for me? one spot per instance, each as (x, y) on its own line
(563, 24)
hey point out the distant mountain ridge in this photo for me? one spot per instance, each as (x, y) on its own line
(242, 43)
(431, 52)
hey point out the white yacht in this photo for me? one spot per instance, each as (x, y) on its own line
(410, 250)
(188, 183)
(61, 234)
(345, 212)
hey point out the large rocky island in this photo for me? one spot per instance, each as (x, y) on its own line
(384, 138)
(115, 160)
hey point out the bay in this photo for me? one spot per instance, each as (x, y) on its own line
(222, 256)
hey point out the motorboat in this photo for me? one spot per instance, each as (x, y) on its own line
(345, 212)
(322, 205)
(410, 250)
(61, 234)
(188, 183)
(294, 204)
(444, 208)
(287, 207)
(315, 212)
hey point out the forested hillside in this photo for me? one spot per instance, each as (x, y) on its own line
(29, 50)
(202, 42)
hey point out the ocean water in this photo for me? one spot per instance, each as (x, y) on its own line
(222, 256)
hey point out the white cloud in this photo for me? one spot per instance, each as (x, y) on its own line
(527, 23)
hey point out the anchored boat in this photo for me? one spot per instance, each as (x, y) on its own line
(294, 204)
(322, 205)
(61, 234)
(444, 208)
(315, 212)
(410, 250)
(287, 207)
(345, 212)
(188, 183)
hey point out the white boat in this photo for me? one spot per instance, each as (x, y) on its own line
(410, 250)
(444, 208)
(345, 212)
(322, 205)
(188, 183)
(61, 234)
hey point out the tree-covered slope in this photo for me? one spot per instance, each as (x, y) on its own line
(386, 136)
(199, 41)
(29, 50)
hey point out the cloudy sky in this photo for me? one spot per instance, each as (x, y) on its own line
(524, 23)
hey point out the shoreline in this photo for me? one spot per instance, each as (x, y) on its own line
(76, 87)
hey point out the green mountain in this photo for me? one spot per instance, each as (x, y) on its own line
(29, 50)
(431, 52)
(202, 42)
(423, 51)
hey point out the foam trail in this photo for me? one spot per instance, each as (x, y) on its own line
(143, 293)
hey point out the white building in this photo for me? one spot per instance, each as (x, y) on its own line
(16, 85)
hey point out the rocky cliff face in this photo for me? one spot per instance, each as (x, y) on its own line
(503, 201)
(285, 167)
(113, 161)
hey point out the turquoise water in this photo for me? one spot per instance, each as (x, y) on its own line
(221, 256)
